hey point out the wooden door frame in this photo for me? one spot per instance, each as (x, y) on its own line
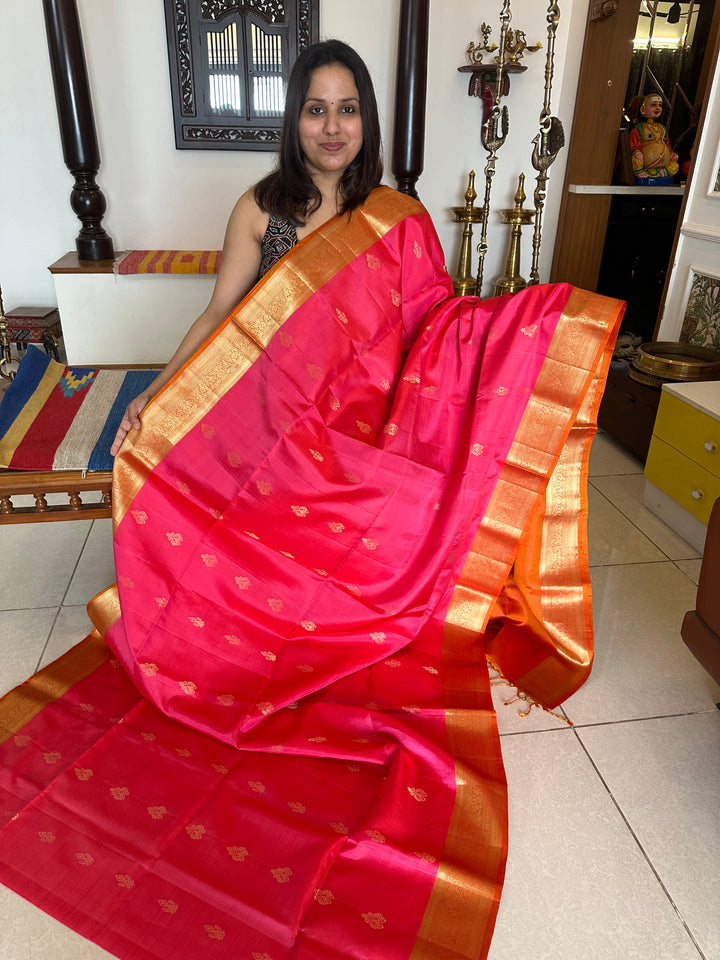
(604, 72)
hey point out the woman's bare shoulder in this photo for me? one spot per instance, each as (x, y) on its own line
(248, 217)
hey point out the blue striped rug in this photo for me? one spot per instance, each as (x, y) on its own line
(55, 417)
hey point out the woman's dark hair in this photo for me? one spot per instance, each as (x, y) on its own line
(289, 191)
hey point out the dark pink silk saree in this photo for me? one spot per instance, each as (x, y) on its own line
(279, 741)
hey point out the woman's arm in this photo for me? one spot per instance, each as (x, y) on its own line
(237, 274)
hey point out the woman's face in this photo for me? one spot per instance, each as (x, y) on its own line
(330, 126)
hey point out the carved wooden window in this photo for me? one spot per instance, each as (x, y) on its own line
(229, 65)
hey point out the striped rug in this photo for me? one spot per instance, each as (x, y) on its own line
(54, 417)
(170, 261)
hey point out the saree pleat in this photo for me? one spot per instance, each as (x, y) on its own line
(279, 741)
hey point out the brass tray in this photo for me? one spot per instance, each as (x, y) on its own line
(645, 378)
(670, 360)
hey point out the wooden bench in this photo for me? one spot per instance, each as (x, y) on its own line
(75, 484)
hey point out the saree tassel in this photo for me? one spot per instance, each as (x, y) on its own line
(533, 704)
(498, 680)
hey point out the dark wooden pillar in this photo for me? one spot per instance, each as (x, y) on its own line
(77, 126)
(410, 95)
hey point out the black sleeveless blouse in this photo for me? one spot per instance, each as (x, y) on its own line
(280, 237)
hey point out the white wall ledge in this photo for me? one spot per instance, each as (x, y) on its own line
(616, 189)
(701, 231)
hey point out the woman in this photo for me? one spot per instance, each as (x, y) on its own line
(359, 489)
(329, 162)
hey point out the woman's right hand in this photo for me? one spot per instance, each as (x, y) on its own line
(130, 420)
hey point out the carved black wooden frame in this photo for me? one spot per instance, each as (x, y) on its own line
(194, 128)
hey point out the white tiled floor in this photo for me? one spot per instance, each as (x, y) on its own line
(615, 822)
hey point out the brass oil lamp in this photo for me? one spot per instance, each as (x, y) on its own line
(517, 217)
(464, 283)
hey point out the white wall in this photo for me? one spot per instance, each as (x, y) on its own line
(453, 146)
(698, 247)
(162, 197)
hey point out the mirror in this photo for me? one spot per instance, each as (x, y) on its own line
(668, 52)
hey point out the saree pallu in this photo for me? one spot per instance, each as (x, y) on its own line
(279, 741)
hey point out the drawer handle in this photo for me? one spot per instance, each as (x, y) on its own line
(697, 494)
(710, 446)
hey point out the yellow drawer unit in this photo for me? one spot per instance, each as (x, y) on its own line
(689, 430)
(684, 456)
(689, 484)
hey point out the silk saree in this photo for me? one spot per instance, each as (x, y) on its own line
(279, 740)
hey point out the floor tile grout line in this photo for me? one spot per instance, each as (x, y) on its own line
(77, 563)
(634, 524)
(47, 639)
(62, 600)
(43, 606)
(684, 572)
(592, 724)
(603, 476)
(589, 724)
(638, 563)
(640, 847)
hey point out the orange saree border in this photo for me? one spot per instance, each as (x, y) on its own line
(575, 359)
(460, 916)
(26, 701)
(545, 643)
(553, 440)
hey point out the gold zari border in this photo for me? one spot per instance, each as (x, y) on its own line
(461, 912)
(21, 704)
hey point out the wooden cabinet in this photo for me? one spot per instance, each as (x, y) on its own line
(638, 243)
(684, 458)
(628, 409)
